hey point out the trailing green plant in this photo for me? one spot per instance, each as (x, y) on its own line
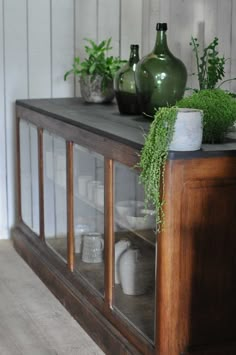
(219, 109)
(210, 66)
(97, 62)
(153, 158)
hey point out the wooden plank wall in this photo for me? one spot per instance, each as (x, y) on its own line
(204, 19)
(38, 40)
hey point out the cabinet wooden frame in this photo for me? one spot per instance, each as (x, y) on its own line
(195, 261)
(112, 151)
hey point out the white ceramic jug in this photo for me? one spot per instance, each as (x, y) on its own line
(120, 248)
(135, 272)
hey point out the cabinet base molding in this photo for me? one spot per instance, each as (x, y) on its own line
(215, 350)
(39, 258)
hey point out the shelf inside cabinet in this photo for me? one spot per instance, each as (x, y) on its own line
(146, 234)
(90, 203)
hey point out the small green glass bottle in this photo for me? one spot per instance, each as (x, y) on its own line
(160, 76)
(124, 85)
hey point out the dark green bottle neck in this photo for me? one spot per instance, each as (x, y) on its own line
(134, 56)
(161, 43)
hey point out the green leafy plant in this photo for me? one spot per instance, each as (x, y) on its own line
(219, 110)
(210, 66)
(97, 62)
(153, 158)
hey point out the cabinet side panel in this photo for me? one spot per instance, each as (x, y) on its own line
(196, 258)
(208, 248)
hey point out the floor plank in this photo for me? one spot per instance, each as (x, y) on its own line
(33, 322)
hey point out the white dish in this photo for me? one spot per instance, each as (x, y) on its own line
(141, 221)
(129, 207)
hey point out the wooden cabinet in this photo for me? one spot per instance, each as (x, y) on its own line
(76, 177)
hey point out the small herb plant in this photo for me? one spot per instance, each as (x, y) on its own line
(219, 110)
(153, 158)
(210, 66)
(97, 62)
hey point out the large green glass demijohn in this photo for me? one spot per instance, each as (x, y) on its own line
(124, 84)
(160, 77)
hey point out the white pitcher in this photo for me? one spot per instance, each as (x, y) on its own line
(120, 248)
(136, 272)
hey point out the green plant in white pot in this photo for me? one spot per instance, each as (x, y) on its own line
(172, 129)
(219, 108)
(96, 72)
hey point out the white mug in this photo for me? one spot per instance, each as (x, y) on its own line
(83, 184)
(92, 249)
(80, 230)
(99, 196)
(92, 186)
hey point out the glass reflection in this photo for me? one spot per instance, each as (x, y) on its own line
(55, 207)
(89, 216)
(135, 252)
(29, 175)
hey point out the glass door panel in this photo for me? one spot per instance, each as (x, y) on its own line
(135, 252)
(55, 202)
(29, 175)
(89, 216)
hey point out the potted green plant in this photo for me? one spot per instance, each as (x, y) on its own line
(219, 109)
(210, 65)
(96, 72)
(219, 106)
(172, 129)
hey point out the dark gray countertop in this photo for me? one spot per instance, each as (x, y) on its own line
(106, 120)
(102, 119)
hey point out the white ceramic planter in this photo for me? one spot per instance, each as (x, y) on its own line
(188, 130)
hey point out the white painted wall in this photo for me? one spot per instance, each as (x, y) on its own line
(38, 40)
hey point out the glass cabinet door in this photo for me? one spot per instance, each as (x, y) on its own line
(135, 252)
(89, 216)
(55, 201)
(29, 175)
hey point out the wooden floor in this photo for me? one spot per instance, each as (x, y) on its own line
(32, 321)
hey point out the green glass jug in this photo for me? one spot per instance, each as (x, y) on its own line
(124, 85)
(160, 77)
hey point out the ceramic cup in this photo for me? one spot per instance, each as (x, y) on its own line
(83, 181)
(80, 230)
(99, 196)
(92, 186)
(92, 249)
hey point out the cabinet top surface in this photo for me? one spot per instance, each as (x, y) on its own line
(105, 119)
